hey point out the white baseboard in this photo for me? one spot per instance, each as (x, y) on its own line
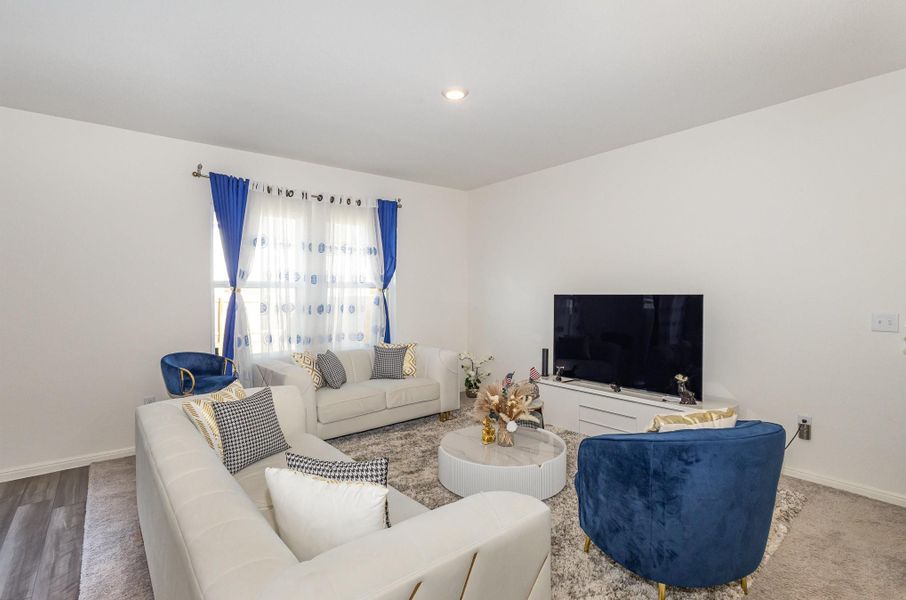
(72, 462)
(847, 486)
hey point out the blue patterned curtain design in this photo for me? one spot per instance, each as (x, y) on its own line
(230, 196)
(387, 212)
(311, 276)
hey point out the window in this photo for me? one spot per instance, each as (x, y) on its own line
(309, 278)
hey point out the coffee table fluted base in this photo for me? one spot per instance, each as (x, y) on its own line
(535, 466)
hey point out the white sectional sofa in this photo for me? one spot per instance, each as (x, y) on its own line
(210, 535)
(364, 403)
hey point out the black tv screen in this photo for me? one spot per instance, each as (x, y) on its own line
(635, 341)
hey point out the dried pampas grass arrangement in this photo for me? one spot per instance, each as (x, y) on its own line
(507, 404)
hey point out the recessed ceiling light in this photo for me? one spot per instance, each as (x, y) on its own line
(455, 94)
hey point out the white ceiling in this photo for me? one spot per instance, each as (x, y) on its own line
(357, 84)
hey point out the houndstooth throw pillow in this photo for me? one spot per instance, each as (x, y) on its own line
(332, 369)
(388, 363)
(371, 471)
(409, 367)
(249, 430)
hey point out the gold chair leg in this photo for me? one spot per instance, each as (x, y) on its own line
(443, 417)
(661, 591)
(745, 586)
(587, 544)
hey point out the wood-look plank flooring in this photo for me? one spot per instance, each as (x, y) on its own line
(42, 519)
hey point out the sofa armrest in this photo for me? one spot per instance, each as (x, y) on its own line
(491, 545)
(276, 372)
(442, 366)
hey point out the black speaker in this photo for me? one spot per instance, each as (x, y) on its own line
(544, 369)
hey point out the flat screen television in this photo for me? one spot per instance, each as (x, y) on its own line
(636, 341)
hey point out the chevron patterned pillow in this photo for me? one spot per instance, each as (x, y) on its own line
(201, 413)
(307, 361)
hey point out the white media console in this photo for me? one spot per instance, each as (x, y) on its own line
(594, 408)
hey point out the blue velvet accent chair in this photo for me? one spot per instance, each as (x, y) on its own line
(688, 508)
(191, 373)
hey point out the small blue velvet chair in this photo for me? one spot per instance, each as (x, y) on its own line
(191, 373)
(687, 508)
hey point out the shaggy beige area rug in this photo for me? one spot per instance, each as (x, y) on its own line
(113, 561)
(412, 450)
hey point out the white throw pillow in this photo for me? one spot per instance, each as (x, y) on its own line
(706, 419)
(314, 514)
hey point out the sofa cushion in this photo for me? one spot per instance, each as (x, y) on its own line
(351, 400)
(357, 364)
(309, 363)
(315, 514)
(372, 471)
(253, 482)
(409, 365)
(331, 369)
(201, 413)
(388, 363)
(402, 392)
(249, 430)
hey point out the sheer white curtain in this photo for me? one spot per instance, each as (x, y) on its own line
(310, 274)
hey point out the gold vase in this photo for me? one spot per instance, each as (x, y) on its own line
(504, 437)
(488, 433)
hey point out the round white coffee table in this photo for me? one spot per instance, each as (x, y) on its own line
(534, 465)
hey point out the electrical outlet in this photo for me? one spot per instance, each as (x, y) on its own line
(149, 399)
(805, 427)
(885, 322)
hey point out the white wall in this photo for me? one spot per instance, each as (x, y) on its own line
(790, 220)
(106, 258)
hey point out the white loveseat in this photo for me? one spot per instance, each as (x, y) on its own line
(363, 403)
(209, 535)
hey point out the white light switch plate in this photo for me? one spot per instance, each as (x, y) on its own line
(886, 322)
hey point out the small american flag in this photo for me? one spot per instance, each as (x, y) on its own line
(508, 380)
(533, 374)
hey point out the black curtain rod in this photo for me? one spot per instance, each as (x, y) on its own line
(319, 197)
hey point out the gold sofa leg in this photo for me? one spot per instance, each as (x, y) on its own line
(661, 591)
(443, 417)
(587, 544)
(745, 586)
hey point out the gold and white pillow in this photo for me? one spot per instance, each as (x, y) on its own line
(409, 367)
(308, 361)
(706, 419)
(201, 413)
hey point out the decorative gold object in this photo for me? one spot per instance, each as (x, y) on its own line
(509, 404)
(587, 544)
(488, 434)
